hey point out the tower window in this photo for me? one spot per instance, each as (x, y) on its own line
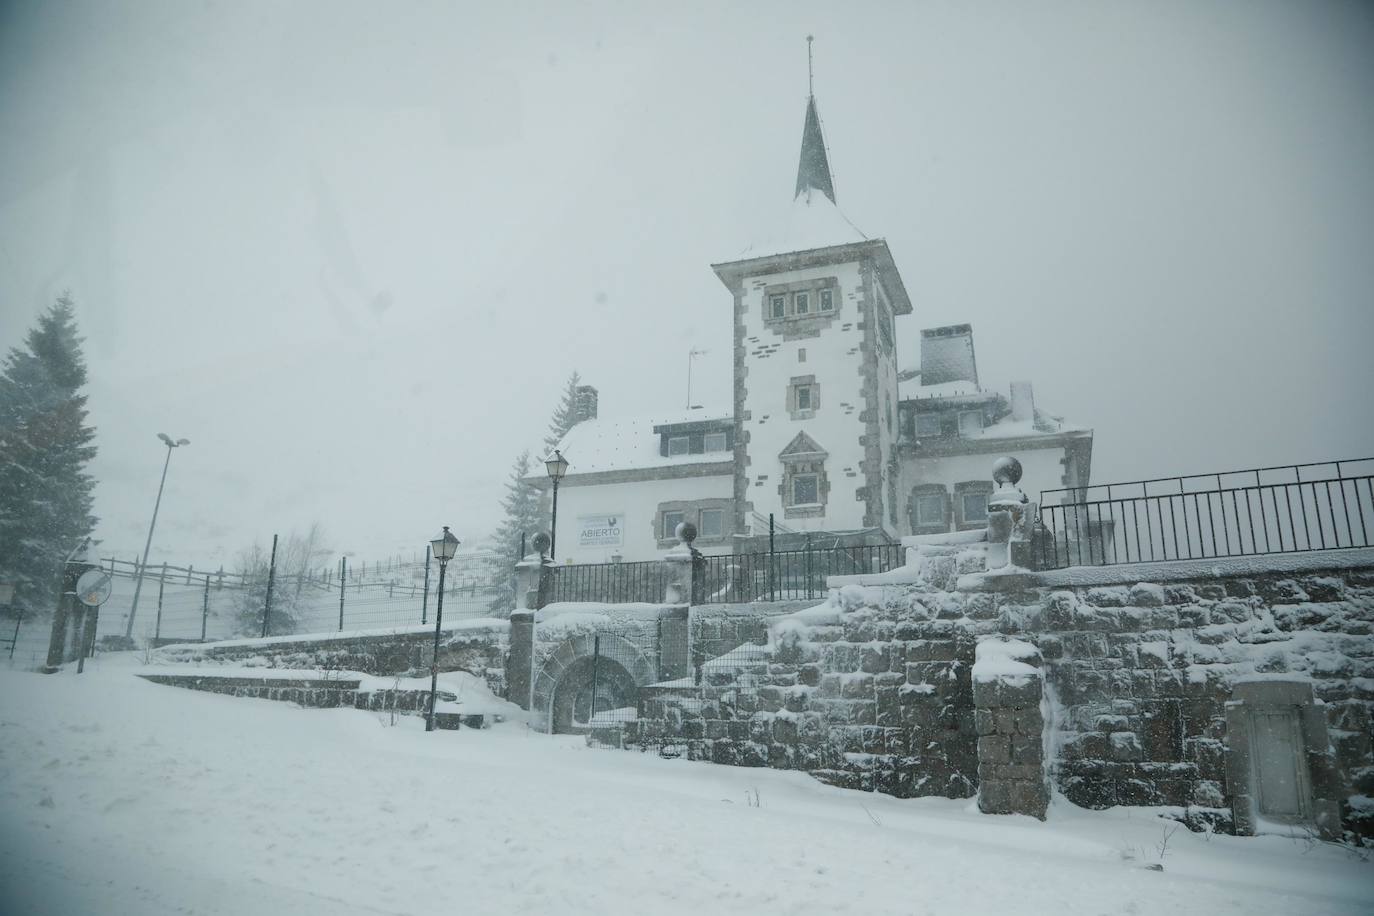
(803, 397)
(806, 490)
(827, 300)
(777, 306)
(801, 354)
(803, 303)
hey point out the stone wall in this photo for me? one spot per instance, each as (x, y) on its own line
(479, 647)
(873, 691)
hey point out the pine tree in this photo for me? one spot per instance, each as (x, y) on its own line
(46, 495)
(565, 415)
(523, 518)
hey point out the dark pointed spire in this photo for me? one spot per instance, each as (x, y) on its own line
(813, 171)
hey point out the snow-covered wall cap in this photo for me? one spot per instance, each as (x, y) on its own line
(997, 658)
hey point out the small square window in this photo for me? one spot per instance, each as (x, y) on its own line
(975, 507)
(679, 445)
(670, 522)
(712, 523)
(970, 423)
(930, 511)
(803, 303)
(777, 306)
(806, 490)
(928, 424)
(827, 300)
(803, 397)
(714, 442)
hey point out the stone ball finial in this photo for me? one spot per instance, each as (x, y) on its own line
(541, 542)
(686, 533)
(1007, 470)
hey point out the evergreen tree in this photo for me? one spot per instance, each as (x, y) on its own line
(523, 518)
(45, 446)
(564, 415)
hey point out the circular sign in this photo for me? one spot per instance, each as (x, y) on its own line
(93, 588)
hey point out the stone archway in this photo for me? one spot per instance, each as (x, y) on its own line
(563, 686)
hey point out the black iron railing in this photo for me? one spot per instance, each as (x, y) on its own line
(769, 576)
(614, 583)
(784, 575)
(1283, 509)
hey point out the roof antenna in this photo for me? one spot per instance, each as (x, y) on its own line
(810, 77)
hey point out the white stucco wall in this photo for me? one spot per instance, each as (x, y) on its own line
(635, 505)
(833, 358)
(1041, 470)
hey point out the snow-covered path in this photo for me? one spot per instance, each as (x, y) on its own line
(120, 796)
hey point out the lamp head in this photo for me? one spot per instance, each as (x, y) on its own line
(444, 546)
(556, 465)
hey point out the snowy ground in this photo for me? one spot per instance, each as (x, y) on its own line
(123, 797)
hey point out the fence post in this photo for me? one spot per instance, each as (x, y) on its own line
(343, 572)
(596, 657)
(161, 581)
(271, 580)
(205, 608)
(771, 560)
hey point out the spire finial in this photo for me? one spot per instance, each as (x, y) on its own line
(810, 76)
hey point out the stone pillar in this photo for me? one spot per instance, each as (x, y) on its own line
(65, 643)
(520, 659)
(1007, 688)
(682, 563)
(674, 652)
(533, 579)
(1011, 518)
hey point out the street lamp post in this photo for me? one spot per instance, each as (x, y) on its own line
(557, 466)
(442, 548)
(138, 584)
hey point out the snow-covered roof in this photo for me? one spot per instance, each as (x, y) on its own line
(811, 220)
(625, 443)
(913, 390)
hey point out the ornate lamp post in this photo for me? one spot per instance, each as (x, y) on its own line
(138, 584)
(442, 549)
(557, 466)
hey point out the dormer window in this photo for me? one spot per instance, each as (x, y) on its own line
(827, 300)
(777, 306)
(679, 445)
(714, 442)
(803, 303)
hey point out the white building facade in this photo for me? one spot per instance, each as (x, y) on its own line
(826, 439)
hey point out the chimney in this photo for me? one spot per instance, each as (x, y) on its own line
(947, 355)
(584, 403)
(1022, 401)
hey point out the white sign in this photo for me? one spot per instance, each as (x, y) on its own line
(606, 530)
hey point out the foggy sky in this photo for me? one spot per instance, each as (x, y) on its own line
(353, 250)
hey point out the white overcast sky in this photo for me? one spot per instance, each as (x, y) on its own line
(353, 250)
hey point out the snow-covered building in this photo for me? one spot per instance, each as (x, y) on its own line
(827, 435)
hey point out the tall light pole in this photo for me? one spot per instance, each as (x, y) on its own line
(138, 584)
(443, 548)
(557, 466)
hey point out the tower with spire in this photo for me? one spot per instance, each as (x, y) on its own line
(815, 363)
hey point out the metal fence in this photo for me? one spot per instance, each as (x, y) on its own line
(769, 576)
(1281, 509)
(182, 604)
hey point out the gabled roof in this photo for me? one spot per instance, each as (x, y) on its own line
(625, 443)
(803, 446)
